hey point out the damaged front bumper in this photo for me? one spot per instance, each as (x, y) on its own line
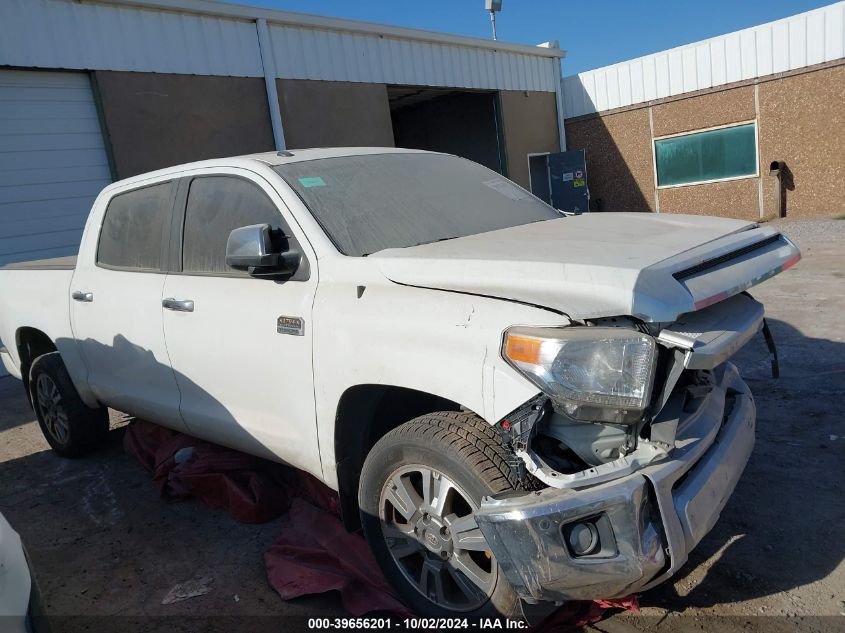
(645, 523)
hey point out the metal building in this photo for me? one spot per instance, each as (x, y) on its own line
(696, 129)
(97, 90)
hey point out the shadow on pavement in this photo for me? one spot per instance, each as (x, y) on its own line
(782, 529)
(15, 410)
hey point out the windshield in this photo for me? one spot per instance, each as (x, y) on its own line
(376, 201)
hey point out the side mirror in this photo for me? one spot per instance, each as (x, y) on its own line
(254, 249)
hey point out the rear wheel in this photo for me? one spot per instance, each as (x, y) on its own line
(68, 424)
(421, 486)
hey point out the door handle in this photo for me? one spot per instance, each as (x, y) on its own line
(86, 297)
(178, 305)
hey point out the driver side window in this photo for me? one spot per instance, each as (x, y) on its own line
(216, 206)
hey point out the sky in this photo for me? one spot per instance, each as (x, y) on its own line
(594, 34)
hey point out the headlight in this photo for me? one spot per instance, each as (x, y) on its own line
(591, 373)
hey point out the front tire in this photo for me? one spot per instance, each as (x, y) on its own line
(68, 424)
(420, 487)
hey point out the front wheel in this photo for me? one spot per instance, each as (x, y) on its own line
(421, 486)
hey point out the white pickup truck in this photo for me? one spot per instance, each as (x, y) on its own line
(516, 406)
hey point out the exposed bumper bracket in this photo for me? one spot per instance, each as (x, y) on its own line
(645, 453)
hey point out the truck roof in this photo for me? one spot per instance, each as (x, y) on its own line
(270, 158)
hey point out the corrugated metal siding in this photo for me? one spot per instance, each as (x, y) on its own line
(303, 53)
(52, 162)
(789, 44)
(62, 34)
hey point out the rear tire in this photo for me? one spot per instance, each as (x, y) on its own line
(70, 426)
(420, 487)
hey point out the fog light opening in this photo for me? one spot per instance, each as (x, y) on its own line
(583, 538)
(590, 537)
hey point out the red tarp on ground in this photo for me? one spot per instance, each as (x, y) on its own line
(251, 489)
(314, 553)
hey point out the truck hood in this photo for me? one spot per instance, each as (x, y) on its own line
(653, 267)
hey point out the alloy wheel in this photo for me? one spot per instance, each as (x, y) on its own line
(428, 523)
(52, 409)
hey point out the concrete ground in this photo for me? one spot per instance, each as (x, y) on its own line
(107, 548)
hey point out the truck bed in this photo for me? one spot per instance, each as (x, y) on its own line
(36, 294)
(56, 263)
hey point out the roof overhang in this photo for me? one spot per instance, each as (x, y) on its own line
(243, 12)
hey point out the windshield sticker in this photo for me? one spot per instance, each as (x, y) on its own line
(566, 176)
(312, 181)
(507, 188)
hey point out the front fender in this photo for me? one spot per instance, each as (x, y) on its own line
(441, 343)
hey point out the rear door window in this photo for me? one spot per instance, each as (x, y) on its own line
(132, 232)
(216, 206)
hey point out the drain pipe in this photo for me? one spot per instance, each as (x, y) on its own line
(776, 169)
(268, 64)
(561, 130)
(559, 102)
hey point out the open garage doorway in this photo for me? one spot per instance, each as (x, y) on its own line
(461, 122)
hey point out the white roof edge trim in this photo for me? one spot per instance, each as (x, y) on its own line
(708, 40)
(276, 16)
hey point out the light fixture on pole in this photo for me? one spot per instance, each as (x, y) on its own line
(493, 6)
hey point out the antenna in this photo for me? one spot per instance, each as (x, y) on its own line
(493, 6)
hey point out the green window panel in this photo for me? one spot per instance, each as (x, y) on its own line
(728, 152)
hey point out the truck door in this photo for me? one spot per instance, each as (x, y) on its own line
(240, 347)
(115, 302)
